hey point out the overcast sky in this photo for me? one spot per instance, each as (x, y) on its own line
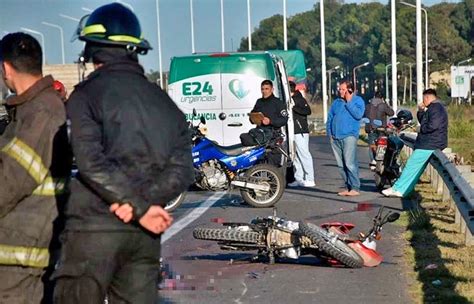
(175, 23)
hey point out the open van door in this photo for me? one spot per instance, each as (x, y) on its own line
(286, 96)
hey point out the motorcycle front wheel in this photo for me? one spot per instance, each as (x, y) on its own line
(265, 174)
(380, 181)
(331, 245)
(175, 203)
(230, 235)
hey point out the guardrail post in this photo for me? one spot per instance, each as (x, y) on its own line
(469, 241)
(446, 194)
(438, 186)
(457, 215)
(431, 173)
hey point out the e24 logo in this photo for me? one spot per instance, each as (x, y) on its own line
(196, 88)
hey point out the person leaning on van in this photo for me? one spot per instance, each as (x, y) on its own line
(273, 116)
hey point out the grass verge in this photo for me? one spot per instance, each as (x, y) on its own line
(440, 265)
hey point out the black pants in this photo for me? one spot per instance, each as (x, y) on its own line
(124, 266)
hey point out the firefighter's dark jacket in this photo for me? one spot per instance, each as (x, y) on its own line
(301, 110)
(34, 166)
(273, 108)
(131, 145)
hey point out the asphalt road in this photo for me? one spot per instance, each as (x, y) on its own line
(198, 271)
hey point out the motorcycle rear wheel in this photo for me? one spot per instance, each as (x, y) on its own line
(274, 178)
(232, 235)
(175, 203)
(331, 245)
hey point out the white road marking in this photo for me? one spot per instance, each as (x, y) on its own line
(237, 301)
(191, 217)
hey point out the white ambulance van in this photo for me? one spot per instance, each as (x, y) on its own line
(223, 87)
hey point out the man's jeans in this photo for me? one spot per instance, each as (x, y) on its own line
(304, 170)
(371, 137)
(345, 151)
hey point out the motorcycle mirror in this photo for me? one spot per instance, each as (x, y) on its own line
(194, 112)
(393, 217)
(203, 120)
(377, 122)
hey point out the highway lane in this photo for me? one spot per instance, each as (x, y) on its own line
(198, 271)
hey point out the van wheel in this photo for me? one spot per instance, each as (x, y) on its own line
(264, 174)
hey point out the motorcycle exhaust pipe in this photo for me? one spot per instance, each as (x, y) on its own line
(252, 186)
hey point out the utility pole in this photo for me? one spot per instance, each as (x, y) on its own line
(285, 38)
(323, 62)
(419, 55)
(394, 55)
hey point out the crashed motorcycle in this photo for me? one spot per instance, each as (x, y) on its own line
(387, 147)
(219, 168)
(275, 237)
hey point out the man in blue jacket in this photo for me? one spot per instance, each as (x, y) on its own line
(433, 135)
(342, 127)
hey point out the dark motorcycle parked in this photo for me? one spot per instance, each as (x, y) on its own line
(387, 148)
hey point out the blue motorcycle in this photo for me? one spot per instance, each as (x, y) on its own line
(219, 168)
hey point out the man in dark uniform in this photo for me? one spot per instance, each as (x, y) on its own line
(275, 116)
(377, 109)
(133, 152)
(303, 164)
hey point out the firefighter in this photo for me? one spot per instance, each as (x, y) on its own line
(34, 166)
(133, 153)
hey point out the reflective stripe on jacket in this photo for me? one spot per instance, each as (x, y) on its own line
(24, 256)
(34, 165)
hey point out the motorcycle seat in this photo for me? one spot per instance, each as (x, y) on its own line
(234, 150)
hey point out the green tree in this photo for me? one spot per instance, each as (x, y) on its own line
(356, 33)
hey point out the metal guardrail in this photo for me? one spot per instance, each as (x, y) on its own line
(460, 191)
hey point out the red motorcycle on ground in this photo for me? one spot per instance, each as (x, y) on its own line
(275, 237)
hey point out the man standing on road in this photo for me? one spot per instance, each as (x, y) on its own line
(275, 116)
(304, 171)
(34, 165)
(433, 135)
(342, 128)
(133, 153)
(377, 109)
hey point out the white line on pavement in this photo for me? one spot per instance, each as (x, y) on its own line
(191, 217)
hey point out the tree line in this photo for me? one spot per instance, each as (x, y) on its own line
(356, 33)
